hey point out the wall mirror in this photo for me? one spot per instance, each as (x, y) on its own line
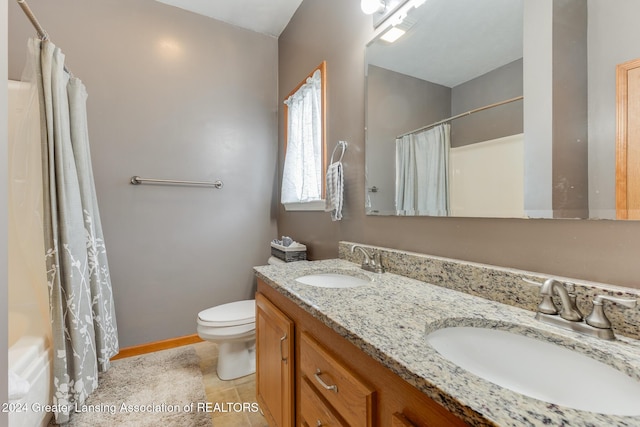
(534, 84)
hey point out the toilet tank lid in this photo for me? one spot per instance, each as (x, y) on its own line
(231, 314)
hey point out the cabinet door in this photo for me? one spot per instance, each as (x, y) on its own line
(274, 364)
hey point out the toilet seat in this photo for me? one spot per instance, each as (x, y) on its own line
(232, 314)
(227, 333)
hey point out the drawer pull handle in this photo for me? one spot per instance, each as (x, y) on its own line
(318, 423)
(284, 337)
(323, 384)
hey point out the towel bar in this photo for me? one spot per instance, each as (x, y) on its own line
(136, 180)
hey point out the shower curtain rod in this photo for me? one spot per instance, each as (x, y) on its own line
(36, 24)
(467, 113)
(34, 21)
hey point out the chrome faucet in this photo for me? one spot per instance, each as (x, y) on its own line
(370, 261)
(569, 309)
(595, 324)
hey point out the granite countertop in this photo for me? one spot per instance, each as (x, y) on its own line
(388, 320)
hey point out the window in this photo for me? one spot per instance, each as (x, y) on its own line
(305, 153)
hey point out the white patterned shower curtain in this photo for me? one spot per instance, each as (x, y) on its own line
(81, 302)
(422, 172)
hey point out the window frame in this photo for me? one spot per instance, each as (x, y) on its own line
(313, 205)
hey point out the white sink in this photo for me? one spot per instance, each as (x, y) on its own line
(539, 369)
(333, 280)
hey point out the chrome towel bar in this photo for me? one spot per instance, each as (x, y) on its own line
(136, 180)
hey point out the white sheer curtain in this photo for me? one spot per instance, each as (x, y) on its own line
(302, 175)
(422, 172)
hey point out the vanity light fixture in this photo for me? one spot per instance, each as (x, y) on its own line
(369, 7)
(397, 18)
(393, 34)
(399, 22)
(403, 11)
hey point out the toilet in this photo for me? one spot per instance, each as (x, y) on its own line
(233, 327)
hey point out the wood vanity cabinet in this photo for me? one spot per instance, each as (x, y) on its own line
(274, 363)
(334, 382)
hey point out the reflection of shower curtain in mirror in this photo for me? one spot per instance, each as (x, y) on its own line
(422, 175)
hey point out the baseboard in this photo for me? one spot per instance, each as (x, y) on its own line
(137, 350)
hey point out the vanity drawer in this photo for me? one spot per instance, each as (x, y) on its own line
(347, 394)
(313, 411)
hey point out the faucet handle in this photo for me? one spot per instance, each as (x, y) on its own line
(376, 262)
(626, 302)
(533, 282)
(597, 318)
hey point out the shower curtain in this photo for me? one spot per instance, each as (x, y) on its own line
(80, 296)
(422, 172)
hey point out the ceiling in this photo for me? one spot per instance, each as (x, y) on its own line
(452, 41)
(266, 17)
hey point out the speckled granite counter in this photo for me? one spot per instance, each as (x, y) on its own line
(389, 318)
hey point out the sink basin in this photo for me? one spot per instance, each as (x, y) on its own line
(333, 280)
(539, 369)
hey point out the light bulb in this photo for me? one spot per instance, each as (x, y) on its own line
(371, 6)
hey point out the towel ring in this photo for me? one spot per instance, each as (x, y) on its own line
(342, 144)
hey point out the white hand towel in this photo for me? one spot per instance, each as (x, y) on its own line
(335, 189)
(18, 387)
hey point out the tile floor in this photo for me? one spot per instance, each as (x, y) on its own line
(241, 390)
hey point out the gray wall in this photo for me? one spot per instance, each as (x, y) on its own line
(555, 105)
(4, 418)
(171, 95)
(396, 103)
(497, 85)
(607, 27)
(337, 31)
(570, 110)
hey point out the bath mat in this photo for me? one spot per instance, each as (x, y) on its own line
(155, 389)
